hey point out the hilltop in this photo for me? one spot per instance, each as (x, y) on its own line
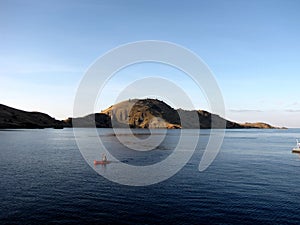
(153, 113)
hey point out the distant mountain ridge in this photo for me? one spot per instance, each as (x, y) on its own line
(135, 113)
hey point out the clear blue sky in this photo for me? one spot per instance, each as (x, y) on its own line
(252, 47)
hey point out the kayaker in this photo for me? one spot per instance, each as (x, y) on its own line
(104, 159)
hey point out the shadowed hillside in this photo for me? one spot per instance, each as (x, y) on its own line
(14, 118)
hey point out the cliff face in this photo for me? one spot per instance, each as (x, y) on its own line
(14, 118)
(147, 113)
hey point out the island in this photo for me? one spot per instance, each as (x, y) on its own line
(133, 113)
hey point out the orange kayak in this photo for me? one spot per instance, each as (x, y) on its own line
(101, 162)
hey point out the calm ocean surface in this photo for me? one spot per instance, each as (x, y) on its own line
(254, 179)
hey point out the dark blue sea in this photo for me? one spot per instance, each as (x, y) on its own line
(255, 179)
